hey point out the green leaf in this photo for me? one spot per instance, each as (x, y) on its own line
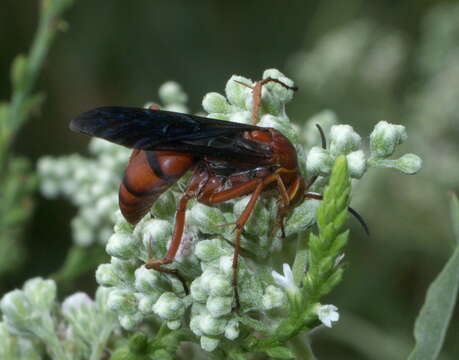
(19, 72)
(433, 320)
(455, 215)
(280, 352)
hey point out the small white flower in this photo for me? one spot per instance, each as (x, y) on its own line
(286, 280)
(327, 314)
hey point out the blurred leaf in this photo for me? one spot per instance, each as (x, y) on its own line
(433, 320)
(280, 352)
(19, 72)
(455, 215)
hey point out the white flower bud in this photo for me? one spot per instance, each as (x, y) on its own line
(226, 265)
(197, 292)
(357, 164)
(82, 232)
(319, 161)
(281, 93)
(385, 137)
(237, 93)
(147, 280)
(273, 297)
(78, 302)
(219, 306)
(242, 117)
(212, 326)
(165, 206)
(215, 103)
(327, 314)
(209, 344)
(174, 325)
(169, 306)
(343, 140)
(209, 250)
(130, 321)
(41, 292)
(102, 294)
(171, 93)
(122, 245)
(302, 217)
(409, 164)
(146, 304)
(106, 275)
(215, 283)
(232, 330)
(207, 218)
(122, 301)
(16, 309)
(195, 325)
(45, 165)
(125, 269)
(160, 231)
(49, 188)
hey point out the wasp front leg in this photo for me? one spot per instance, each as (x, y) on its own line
(158, 264)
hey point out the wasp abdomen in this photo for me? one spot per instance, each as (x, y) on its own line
(147, 175)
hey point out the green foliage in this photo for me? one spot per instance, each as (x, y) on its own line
(433, 320)
(17, 181)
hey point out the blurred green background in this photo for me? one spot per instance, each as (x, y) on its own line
(367, 61)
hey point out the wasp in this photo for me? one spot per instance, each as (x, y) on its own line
(228, 160)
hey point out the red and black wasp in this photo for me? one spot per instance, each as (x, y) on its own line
(228, 160)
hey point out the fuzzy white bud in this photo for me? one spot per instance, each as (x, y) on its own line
(385, 137)
(237, 93)
(219, 306)
(319, 161)
(343, 140)
(357, 164)
(169, 306)
(209, 344)
(171, 93)
(215, 103)
(122, 245)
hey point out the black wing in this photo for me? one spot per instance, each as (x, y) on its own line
(147, 129)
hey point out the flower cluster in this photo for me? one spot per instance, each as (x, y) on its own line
(138, 295)
(33, 323)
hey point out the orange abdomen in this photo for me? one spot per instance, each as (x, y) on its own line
(147, 176)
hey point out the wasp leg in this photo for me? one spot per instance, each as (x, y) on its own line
(254, 186)
(175, 244)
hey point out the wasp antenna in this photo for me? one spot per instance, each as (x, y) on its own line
(360, 220)
(322, 136)
(351, 210)
(269, 79)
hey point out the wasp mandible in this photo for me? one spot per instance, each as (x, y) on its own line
(228, 160)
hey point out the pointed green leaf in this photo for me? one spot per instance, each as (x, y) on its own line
(455, 215)
(433, 320)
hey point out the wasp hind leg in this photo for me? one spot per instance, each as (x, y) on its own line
(158, 264)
